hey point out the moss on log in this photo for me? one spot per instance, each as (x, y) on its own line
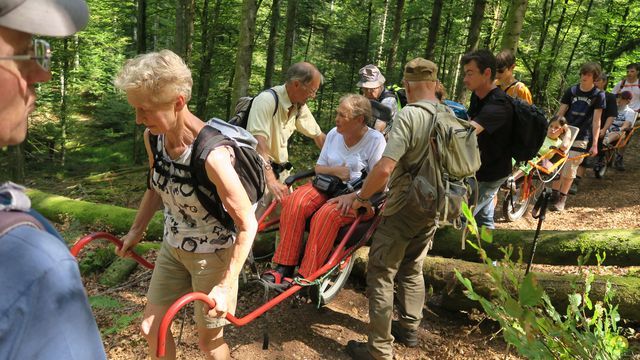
(622, 247)
(439, 274)
(121, 268)
(96, 216)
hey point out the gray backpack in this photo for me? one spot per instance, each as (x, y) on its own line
(439, 187)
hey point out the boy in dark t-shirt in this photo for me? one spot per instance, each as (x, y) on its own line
(491, 114)
(582, 106)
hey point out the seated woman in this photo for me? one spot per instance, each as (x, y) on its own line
(350, 148)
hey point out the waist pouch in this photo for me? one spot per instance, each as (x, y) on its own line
(329, 185)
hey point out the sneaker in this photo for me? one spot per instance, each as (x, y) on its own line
(358, 350)
(574, 188)
(617, 164)
(560, 204)
(403, 335)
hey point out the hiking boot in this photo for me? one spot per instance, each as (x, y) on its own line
(358, 350)
(559, 204)
(403, 335)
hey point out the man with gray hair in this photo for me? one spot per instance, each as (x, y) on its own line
(44, 308)
(372, 86)
(274, 116)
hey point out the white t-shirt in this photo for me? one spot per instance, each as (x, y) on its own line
(624, 115)
(634, 89)
(363, 155)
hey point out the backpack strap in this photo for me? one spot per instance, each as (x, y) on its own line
(275, 97)
(15, 211)
(512, 85)
(207, 140)
(10, 220)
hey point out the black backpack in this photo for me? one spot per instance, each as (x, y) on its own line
(528, 130)
(248, 165)
(243, 107)
(396, 92)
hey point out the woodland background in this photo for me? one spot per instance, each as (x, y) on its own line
(83, 130)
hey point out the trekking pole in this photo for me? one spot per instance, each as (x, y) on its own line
(539, 212)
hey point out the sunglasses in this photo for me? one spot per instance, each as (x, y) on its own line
(41, 53)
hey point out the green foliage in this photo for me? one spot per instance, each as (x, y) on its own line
(532, 325)
(118, 322)
(104, 302)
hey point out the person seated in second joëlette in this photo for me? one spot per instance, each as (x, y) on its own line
(623, 122)
(351, 148)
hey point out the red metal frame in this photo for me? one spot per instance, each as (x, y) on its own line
(338, 255)
(75, 250)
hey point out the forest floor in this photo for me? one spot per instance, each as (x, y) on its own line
(298, 330)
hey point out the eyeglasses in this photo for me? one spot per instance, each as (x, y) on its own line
(311, 92)
(41, 53)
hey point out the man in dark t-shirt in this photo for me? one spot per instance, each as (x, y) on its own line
(582, 105)
(491, 114)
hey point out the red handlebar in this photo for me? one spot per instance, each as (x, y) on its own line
(75, 250)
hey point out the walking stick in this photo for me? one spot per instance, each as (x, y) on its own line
(539, 212)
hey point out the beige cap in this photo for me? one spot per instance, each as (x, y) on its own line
(370, 77)
(44, 17)
(420, 69)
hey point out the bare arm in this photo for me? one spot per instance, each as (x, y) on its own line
(278, 189)
(607, 124)
(377, 180)
(319, 140)
(235, 199)
(562, 110)
(597, 114)
(479, 128)
(566, 139)
(151, 202)
(342, 172)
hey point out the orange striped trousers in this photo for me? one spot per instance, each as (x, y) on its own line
(325, 225)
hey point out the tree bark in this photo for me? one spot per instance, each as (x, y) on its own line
(515, 20)
(395, 39)
(622, 247)
(141, 27)
(245, 50)
(271, 44)
(289, 35)
(64, 80)
(368, 32)
(573, 50)
(536, 88)
(439, 275)
(208, 41)
(383, 30)
(184, 29)
(434, 26)
(16, 161)
(472, 43)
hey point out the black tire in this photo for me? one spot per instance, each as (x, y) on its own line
(331, 286)
(601, 170)
(514, 212)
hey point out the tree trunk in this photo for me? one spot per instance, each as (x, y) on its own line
(536, 88)
(245, 50)
(622, 247)
(405, 50)
(308, 46)
(64, 79)
(185, 10)
(515, 20)
(439, 275)
(16, 162)
(272, 44)
(434, 26)
(472, 43)
(289, 35)
(208, 41)
(383, 30)
(573, 50)
(367, 43)
(395, 39)
(141, 27)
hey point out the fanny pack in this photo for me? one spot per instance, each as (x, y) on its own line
(329, 185)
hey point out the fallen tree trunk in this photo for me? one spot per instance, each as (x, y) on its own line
(622, 247)
(114, 219)
(439, 274)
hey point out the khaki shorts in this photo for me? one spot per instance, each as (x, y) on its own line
(570, 168)
(178, 272)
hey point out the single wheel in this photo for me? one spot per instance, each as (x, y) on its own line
(329, 288)
(514, 205)
(601, 170)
